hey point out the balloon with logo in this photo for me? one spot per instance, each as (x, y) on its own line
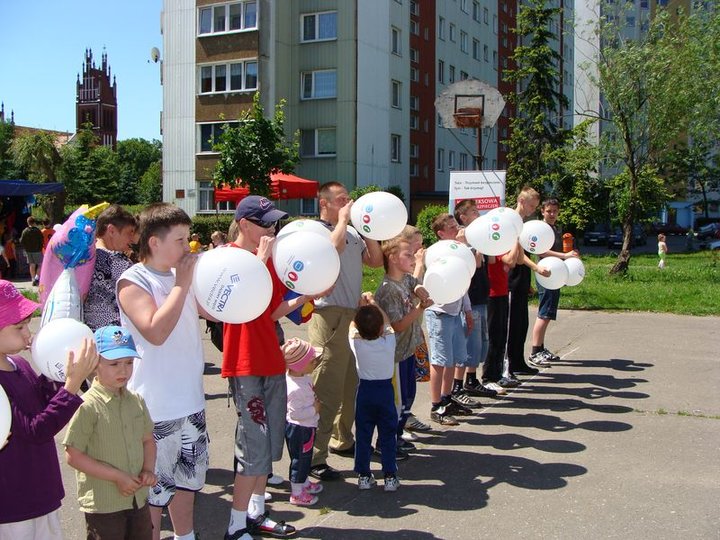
(52, 343)
(447, 279)
(492, 234)
(558, 273)
(379, 215)
(308, 225)
(510, 214)
(450, 248)
(537, 236)
(576, 271)
(232, 284)
(5, 416)
(305, 262)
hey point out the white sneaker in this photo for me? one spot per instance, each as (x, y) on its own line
(409, 436)
(392, 483)
(275, 480)
(268, 496)
(366, 482)
(496, 387)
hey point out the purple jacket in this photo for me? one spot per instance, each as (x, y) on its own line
(30, 480)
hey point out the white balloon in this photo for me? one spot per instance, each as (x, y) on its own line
(232, 284)
(309, 225)
(576, 271)
(379, 215)
(52, 343)
(537, 236)
(306, 263)
(508, 213)
(447, 280)
(558, 273)
(5, 416)
(492, 234)
(450, 248)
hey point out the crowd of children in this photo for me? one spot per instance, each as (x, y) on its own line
(138, 437)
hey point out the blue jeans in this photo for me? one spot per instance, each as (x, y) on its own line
(477, 341)
(375, 408)
(408, 390)
(299, 440)
(446, 339)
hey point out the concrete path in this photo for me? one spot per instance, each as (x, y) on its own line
(619, 439)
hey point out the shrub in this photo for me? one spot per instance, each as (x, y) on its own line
(204, 225)
(424, 222)
(360, 191)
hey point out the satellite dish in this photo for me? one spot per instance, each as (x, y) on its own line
(469, 103)
(154, 54)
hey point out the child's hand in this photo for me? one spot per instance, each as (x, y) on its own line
(367, 299)
(184, 270)
(81, 368)
(544, 272)
(421, 292)
(265, 246)
(126, 484)
(148, 478)
(344, 213)
(420, 256)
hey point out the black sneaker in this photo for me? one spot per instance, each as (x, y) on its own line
(442, 417)
(324, 472)
(407, 446)
(260, 525)
(550, 356)
(526, 370)
(456, 409)
(461, 398)
(477, 389)
(508, 382)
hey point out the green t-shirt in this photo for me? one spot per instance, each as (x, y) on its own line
(109, 428)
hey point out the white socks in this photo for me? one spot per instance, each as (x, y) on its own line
(238, 520)
(296, 489)
(188, 536)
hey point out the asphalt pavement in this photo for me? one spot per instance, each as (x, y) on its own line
(619, 439)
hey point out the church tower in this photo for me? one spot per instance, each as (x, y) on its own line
(97, 100)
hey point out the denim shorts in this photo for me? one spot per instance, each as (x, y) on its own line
(549, 300)
(478, 339)
(446, 339)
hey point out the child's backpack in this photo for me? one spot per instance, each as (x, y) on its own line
(215, 329)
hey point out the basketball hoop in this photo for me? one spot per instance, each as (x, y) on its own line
(468, 117)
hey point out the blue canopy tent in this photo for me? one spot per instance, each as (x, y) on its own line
(23, 188)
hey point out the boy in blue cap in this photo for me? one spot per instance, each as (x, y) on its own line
(110, 443)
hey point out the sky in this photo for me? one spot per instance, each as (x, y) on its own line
(42, 50)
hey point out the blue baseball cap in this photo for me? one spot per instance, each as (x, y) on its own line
(258, 208)
(115, 342)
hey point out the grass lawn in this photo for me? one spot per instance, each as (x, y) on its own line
(689, 285)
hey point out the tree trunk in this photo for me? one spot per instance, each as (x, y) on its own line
(623, 260)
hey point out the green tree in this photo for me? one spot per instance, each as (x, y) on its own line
(150, 186)
(651, 99)
(135, 156)
(8, 170)
(534, 130)
(254, 149)
(90, 171)
(36, 155)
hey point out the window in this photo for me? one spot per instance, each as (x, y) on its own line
(441, 28)
(319, 26)
(318, 142)
(463, 42)
(485, 53)
(476, 11)
(234, 77)
(414, 121)
(414, 74)
(396, 41)
(451, 74)
(464, 5)
(413, 169)
(441, 71)
(308, 207)
(414, 9)
(476, 49)
(495, 60)
(415, 28)
(397, 94)
(463, 161)
(644, 4)
(495, 22)
(452, 32)
(463, 75)
(319, 84)
(414, 150)
(210, 133)
(414, 56)
(485, 15)
(630, 21)
(440, 159)
(414, 103)
(439, 120)
(206, 199)
(395, 148)
(230, 17)
(451, 160)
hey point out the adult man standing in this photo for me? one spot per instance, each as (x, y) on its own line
(31, 239)
(335, 378)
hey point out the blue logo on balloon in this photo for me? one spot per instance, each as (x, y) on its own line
(495, 219)
(298, 266)
(368, 208)
(534, 238)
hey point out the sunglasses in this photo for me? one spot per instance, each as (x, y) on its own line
(262, 223)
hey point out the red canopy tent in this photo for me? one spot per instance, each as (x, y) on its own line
(283, 186)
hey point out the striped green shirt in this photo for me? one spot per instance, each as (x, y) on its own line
(109, 428)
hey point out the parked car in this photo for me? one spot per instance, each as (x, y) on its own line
(639, 237)
(668, 228)
(597, 235)
(708, 232)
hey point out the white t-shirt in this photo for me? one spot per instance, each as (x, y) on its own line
(348, 287)
(375, 359)
(169, 377)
